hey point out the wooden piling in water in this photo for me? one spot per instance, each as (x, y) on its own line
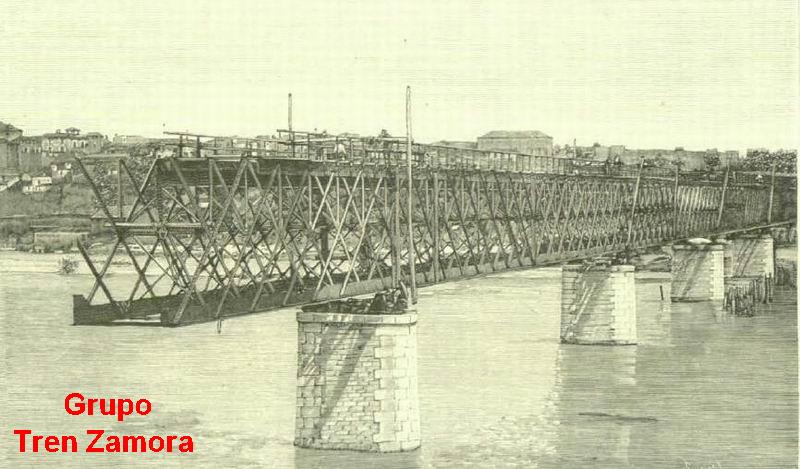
(742, 294)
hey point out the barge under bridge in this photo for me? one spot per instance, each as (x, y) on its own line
(218, 231)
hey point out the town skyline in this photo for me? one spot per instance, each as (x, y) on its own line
(169, 133)
(562, 148)
(716, 74)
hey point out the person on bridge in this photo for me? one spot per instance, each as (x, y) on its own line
(341, 151)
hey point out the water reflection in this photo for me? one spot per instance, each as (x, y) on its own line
(653, 310)
(595, 424)
(488, 357)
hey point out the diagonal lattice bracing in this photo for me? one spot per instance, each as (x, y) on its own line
(213, 237)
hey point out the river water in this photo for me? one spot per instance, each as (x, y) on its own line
(497, 389)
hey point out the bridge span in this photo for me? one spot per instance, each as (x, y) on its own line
(217, 231)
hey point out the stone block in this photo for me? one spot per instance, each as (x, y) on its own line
(598, 305)
(389, 447)
(698, 272)
(751, 255)
(311, 411)
(410, 444)
(353, 388)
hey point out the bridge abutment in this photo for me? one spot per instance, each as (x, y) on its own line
(357, 382)
(598, 305)
(698, 272)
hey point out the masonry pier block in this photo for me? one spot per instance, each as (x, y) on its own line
(698, 272)
(752, 256)
(357, 382)
(598, 305)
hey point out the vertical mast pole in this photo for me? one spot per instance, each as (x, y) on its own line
(771, 194)
(722, 197)
(633, 205)
(291, 133)
(119, 188)
(675, 211)
(412, 255)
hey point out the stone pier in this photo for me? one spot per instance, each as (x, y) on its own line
(598, 305)
(357, 382)
(698, 272)
(752, 256)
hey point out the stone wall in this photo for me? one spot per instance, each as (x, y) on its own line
(698, 272)
(9, 157)
(357, 382)
(598, 305)
(49, 240)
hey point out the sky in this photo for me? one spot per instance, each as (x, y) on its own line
(643, 73)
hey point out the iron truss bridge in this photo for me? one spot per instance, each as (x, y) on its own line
(224, 228)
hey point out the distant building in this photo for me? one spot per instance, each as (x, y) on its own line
(9, 132)
(9, 148)
(531, 142)
(60, 170)
(38, 184)
(127, 140)
(70, 142)
(20, 153)
(30, 154)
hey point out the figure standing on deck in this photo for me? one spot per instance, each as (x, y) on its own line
(341, 151)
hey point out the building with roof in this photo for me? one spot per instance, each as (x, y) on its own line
(9, 132)
(37, 184)
(71, 141)
(530, 142)
(30, 154)
(9, 147)
(61, 170)
(20, 153)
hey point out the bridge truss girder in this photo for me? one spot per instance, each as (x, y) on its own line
(210, 238)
